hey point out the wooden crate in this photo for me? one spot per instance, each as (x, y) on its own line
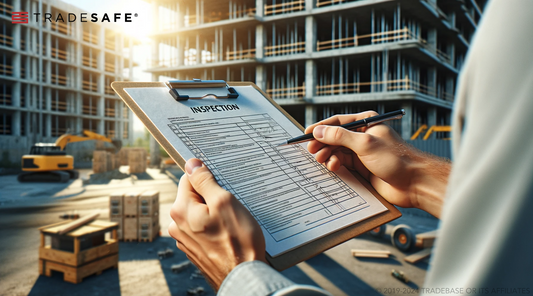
(90, 254)
(99, 156)
(137, 167)
(130, 204)
(76, 275)
(109, 161)
(120, 230)
(148, 228)
(116, 204)
(137, 160)
(130, 229)
(149, 204)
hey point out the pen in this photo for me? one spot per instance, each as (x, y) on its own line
(367, 122)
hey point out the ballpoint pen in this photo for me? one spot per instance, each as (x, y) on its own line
(367, 122)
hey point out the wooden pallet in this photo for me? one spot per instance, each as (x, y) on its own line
(74, 274)
(149, 240)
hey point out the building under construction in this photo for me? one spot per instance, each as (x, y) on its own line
(61, 84)
(318, 58)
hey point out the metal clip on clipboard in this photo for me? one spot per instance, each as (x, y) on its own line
(182, 90)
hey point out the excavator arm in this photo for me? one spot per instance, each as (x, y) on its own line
(87, 135)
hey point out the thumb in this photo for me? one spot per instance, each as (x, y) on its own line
(339, 136)
(202, 180)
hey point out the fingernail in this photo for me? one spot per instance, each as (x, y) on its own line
(192, 165)
(319, 132)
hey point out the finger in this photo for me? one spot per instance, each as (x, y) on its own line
(324, 154)
(341, 119)
(204, 183)
(314, 146)
(333, 163)
(191, 246)
(189, 209)
(360, 143)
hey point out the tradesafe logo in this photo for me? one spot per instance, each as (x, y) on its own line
(22, 17)
(19, 17)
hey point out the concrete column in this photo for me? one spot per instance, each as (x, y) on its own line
(310, 115)
(47, 98)
(380, 108)
(15, 123)
(449, 86)
(198, 50)
(179, 15)
(48, 72)
(259, 8)
(407, 120)
(310, 34)
(79, 124)
(310, 79)
(450, 49)
(259, 41)
(432, 81)
(47, 125)
(260, 77)
(15, 94)
(432, 37)
(48, 43)
(309, 5)
(432, 119)
(180, 50)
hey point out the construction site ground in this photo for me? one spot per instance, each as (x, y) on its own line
(24, 207)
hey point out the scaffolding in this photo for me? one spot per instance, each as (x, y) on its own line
(313, 60)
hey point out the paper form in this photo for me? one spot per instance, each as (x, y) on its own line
(294, 198)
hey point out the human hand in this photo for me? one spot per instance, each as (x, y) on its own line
(402, 174)
(211, 226)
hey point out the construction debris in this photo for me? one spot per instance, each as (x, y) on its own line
(399, 275)
(371, 253)
(165, 254)
(196, 291)
(69, 216)
(177, 268)
(414, 258)
(197, 274)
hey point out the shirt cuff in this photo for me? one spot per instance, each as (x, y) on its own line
(253, 278)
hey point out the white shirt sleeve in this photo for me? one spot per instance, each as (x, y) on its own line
(485, 245)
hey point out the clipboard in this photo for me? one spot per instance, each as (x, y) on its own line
(226, 93)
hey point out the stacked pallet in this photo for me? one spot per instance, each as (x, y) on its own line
(137, 215)
(100, 161)
(148, 215)
(78, 251)
(137, 161)
(104, 161)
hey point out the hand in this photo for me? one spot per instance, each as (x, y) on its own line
(402, 174)
(212, 227)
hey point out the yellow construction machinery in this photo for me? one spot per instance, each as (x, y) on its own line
(48, 162)
(432, 129)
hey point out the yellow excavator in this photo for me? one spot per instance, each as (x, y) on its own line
(48, 162)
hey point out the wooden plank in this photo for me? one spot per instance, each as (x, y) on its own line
(77, 223)
(414, 258)
(48, 227)
(426, 240)
(371, 253)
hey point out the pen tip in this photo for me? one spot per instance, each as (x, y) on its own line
(282, 144)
